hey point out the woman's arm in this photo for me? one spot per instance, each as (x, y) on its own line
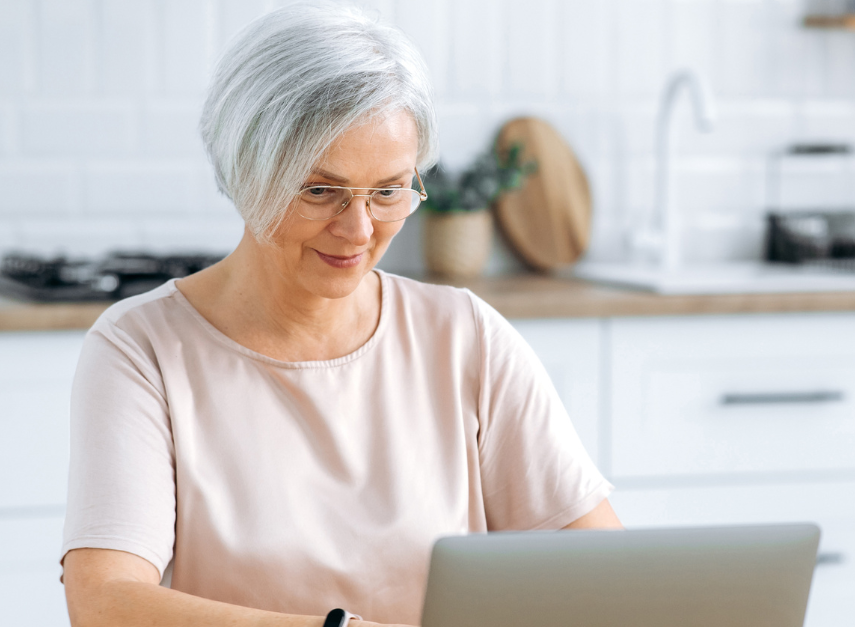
(601, 517)
(107, 588)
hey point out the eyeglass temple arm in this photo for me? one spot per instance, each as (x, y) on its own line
(422, 194)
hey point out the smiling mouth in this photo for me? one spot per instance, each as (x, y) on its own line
(342, 257)
(339, 261)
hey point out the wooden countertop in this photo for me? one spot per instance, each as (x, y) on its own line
(520, 296)
(535, 296)
(22, 316)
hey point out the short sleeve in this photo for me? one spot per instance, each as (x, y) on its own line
(121, 487)
(535, 472)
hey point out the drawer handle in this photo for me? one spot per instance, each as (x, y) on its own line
(830, 559)
(766, 398)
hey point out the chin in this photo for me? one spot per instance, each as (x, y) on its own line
(333, 283)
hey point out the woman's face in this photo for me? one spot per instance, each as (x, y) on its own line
(329, 258)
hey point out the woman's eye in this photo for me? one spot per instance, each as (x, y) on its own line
(317, 191)
(389, 193)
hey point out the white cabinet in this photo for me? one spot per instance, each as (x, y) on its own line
(36, 370)
(732, 395)
(709, 420)
(829, 504)
(739, 420)
(31, 594)
(570, 350)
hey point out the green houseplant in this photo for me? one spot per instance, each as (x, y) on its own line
(458, 227)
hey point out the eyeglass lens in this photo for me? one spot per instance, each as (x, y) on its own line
(387, 205)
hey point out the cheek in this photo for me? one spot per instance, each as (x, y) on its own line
(385, 231)
(293, 239)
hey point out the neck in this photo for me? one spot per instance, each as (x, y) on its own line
(260, 305)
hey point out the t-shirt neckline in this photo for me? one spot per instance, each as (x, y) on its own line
(222, 338)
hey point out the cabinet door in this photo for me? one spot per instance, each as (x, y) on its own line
(36, 371)
(733, 395)
(831, 505)
(30, 591)
(570, 352)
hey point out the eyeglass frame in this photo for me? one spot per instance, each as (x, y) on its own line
(422, 197)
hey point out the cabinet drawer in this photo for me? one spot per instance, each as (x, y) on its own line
(36, 371)
(30, 591)
(741, 394)
(830, 505)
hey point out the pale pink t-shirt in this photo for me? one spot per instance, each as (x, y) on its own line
(300, 487)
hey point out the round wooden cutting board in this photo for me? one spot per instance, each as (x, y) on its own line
(548, 219)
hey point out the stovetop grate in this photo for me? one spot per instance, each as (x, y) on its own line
(116, 276)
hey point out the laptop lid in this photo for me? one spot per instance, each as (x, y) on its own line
(753, 576)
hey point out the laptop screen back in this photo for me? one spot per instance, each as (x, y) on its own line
(736, 576)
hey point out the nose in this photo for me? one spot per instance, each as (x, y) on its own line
(354, 223)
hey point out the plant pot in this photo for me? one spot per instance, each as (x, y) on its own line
(457, 243)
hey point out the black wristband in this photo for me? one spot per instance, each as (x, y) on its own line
(339, 618)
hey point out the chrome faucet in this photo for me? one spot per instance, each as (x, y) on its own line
(667, 239)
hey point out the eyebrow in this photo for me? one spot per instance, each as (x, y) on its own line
(340, 179)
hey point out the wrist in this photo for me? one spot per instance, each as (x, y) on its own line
(340, 618)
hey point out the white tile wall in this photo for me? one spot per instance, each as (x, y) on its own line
(76, 235)
(743, 56)
(187, 42)
(640, 47)
(586, 51)
(35, 188)
(64, 33)
(169, 130)
(99, 101)
(77, 130)
(832, 120)
(530, 50)
(7, 127)
(14, 63)
(124, 48)
(692, 24)
(135, 189)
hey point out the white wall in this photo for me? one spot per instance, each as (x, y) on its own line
(99, 101)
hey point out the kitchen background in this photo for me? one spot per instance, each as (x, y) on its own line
(99, 102)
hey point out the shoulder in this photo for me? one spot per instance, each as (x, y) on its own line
(444, 306)
(133, 325)
(124, 347)
(436, 301)
(138, 308)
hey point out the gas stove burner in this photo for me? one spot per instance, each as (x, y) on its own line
(117, 276)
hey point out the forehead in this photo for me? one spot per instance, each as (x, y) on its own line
(386, 142)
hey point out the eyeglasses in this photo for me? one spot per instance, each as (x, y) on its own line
(385, 204)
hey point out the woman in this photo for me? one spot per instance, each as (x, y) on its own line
(289, 430)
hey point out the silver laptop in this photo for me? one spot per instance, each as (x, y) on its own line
(756, 576)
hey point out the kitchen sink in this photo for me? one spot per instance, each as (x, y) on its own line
(719, 278)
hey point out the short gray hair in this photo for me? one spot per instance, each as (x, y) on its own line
(291, 83)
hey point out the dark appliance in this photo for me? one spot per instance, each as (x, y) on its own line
(811, 236)
(116, 276)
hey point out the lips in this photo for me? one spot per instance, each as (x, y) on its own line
(340, 261)
(342, 257)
